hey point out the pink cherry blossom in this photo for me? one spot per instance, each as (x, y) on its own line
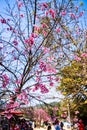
(30, 40)
(14, 31)
(84, 55)
(73, 16)
(5, 79)
(42, 66)
(51, 69)
(55, 108)
(46, 13)
(15, 42)
(50, 59)
(45, 5)
(42, 8)
(50, 78)
(44, 33)
(3, 21)
(37, 73)
(11, 100)
(18, 81)
(16, 104)
(16, 89)
(81, 13)
(63, 13)
(11, 28)
(52, 13)
(77, 33)
(9, 116)
(44, 25)
(36, 87)
(34, 35)
(9, 105)
(24, 94)
(20, 4)
(36, 28)
(57, 79)
(77, 58)
(15, 58)
(19, 96)
(43, 88)
(76, 17)
(21, 15)
(38, 79)
(46, 50)
(58, 30)
(51, 83)
(39, 97)
(26, 102)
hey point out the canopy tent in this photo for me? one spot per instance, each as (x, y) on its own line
(16, 112)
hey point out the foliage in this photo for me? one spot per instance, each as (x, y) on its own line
(74, 79)
(82, 112)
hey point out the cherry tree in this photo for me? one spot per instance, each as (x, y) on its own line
(41, 116)
(37, 39)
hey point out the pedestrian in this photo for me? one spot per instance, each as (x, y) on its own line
(49, 126)
(86, 127)
(57, 127)
(23, 125)
(30, 127)
(81, 125)
(61, 125)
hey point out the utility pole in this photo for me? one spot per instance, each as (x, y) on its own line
(69, 117)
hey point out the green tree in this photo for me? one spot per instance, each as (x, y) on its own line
(74, 79)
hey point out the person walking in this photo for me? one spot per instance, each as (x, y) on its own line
(61, 125)
(49, 126)
(81, 125)
(30, 126)
(57, 127)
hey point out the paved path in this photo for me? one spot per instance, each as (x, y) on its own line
(39, 128)
(43, 128)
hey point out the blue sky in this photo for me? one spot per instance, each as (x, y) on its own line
(3, 3)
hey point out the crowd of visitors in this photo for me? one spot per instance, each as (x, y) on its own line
(12, 124)
(22, 124)
(58, 125)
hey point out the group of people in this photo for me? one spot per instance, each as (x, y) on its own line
(60, 126)
(12, 124)
(24, 125)
(57, 125)
(80, 125)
